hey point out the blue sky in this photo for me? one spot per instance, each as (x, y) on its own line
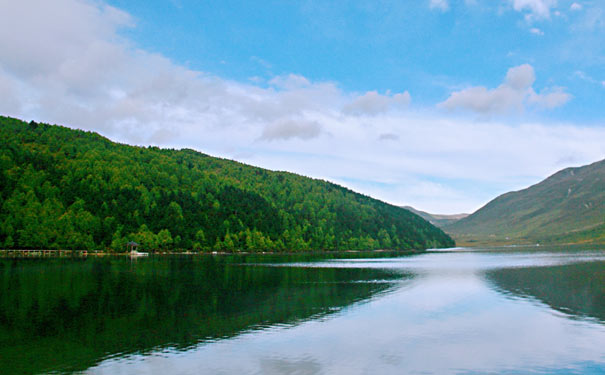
(384, 45)
(438, 104)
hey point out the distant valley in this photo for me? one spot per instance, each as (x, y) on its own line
(437, 219)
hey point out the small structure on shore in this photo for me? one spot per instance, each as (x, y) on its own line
(133, 246)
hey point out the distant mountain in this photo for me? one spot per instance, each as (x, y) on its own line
(437, 219)
(69, 189)
(567, 207)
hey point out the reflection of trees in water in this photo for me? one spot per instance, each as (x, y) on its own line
(68, 314)
(577, 289)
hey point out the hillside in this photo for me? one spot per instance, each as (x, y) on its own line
(70, 189)
(437, 220)
(567, 207)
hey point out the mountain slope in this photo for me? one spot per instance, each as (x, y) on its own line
(437, 219)
(568, 206)
(65, 188)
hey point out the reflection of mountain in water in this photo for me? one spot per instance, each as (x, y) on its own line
(577, 289)
(64, 314)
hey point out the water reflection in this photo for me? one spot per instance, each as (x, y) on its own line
(446, 320)
(432, 313)
(67, 314)
(577, 289)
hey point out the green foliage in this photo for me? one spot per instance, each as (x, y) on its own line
(70, 189)
(567, 207)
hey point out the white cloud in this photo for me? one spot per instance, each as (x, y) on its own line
(520, 77)
(536, 31)
(290, 81)
(9, 94)
(261, 62)
(536, 8)
(575, 7)
(289, 128)
(372, 103)
(388, 137)
(511, 96)
(441, 5)
(482, 100)
(35, 48)
(585, 77)
(549, 99)
(71, 66)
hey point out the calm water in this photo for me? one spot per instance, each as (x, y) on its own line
(448, 312)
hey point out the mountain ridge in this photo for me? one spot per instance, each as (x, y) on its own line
(566, 207)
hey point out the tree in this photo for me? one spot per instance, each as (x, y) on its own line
(146, 238)
(228, 243)
(164, 239)
(384, 238)
(118, 243)
(200, 241)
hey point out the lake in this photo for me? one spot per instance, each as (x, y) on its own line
(458, 311)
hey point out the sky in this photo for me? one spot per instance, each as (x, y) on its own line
(438, 104)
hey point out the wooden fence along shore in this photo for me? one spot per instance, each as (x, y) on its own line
(46, 253)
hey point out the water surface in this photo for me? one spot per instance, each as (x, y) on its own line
(448, 312)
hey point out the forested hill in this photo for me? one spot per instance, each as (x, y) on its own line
(567, 207)
(68, 189)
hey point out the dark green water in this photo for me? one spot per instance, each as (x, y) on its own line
(452, 312)
(67, 314)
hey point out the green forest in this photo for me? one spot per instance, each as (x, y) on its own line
(62, 188)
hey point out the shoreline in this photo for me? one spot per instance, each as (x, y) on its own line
(5, 253)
